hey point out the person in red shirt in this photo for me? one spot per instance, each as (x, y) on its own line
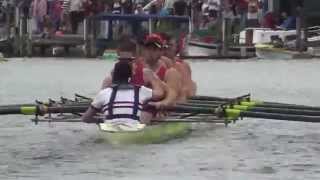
(172, 60)
(153, 45)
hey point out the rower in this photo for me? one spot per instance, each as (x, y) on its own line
(171, 59)
(127, 51)
(122, 103)
(152, 50)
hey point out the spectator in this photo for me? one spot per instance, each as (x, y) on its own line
(154, 6)
(213, 9)
(93, 7)
(254, 15)
(269, 21)
(76, 14)
(55, 13)
(127, 6)
(242, 9)
(116, 7)
(139, 9)
(288, 23)
(196, 7)
(48, 28)
(65, 17)
(39, 10)
(180, 8)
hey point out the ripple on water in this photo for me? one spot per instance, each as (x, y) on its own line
(265, 170)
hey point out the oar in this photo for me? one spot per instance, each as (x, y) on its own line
(229, 113)
(245, 100)
(262, 109)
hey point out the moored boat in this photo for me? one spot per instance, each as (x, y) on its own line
(195, 48)
(268, 51)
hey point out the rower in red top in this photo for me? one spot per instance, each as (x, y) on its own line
(171, 59)
(152, 47)
(141, 75)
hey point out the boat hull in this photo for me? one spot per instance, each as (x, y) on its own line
(268, 52)
(208, 49)
(150, 135)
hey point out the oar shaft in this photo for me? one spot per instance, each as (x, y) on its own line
(65, 109)
(275, 116)
(27, 110)
(289, 106)
(285, 111)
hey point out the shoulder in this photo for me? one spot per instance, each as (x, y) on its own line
(172, 73)
(105, 92)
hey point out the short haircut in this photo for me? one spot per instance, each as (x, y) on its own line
(122, 72)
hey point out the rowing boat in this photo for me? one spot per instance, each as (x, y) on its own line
(157, 133)
(198, 109)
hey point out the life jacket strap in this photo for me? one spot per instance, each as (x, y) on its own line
(124, 116)
(135, 110)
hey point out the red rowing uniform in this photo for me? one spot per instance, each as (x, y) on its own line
(137, 77)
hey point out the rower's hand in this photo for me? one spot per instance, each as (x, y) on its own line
(167, 61)
(158, 105)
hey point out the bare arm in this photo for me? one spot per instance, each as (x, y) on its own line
(88, 116)
(192, 86)
(106, 82)
(173, 81)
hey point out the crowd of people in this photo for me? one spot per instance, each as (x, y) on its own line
(61, 16)
(64, 16)
(243, 13)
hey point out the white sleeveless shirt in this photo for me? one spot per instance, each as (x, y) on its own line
(123, 102)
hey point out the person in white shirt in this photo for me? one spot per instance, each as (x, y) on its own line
(76, 14)
(122, 104)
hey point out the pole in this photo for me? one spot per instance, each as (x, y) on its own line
(299, 29)
(225, 36)
(150, 25)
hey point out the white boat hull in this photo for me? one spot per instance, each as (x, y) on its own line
(281, 54)
(206, 49)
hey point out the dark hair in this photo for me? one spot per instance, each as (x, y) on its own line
(122, 72)
(126, 44)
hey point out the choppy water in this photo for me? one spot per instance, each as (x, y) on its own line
(248, 150)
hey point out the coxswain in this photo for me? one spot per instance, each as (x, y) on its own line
(122, 103)
(171, 59)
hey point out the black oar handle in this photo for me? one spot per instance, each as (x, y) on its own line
(10, 110)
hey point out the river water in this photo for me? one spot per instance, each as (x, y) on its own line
(248, 150)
